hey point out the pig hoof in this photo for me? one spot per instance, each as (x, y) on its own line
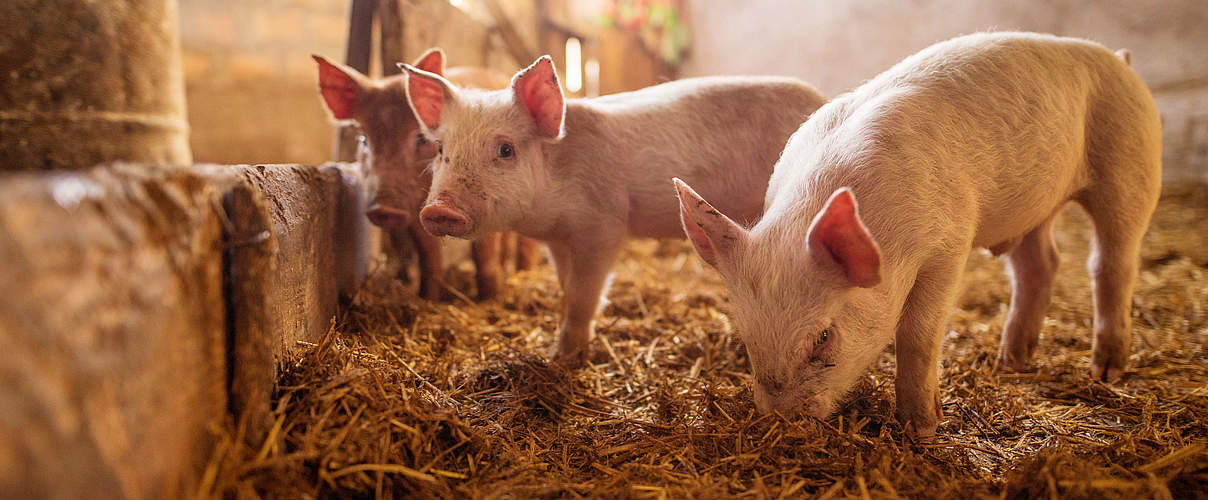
(1107, 363)
(921, 427)
(922, 433)
(1102, 372)
(568, 358)
(1010, 364)
(488, 291)
(434, 293)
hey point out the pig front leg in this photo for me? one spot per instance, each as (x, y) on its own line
(487, 266)
(1033, 265)
(583, 271)
(919, 335)
(431, 267)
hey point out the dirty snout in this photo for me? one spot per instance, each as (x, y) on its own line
(774, 396)
(392, 209)
(441, 217)
(396, 199)
(385, 216)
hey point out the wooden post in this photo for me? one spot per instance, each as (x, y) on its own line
(360, 46)
(519, 50)
(89, 82)
(390, 21)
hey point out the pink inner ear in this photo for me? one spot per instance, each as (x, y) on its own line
(432, 62)
(339, 90)
(700, 240)
(539, 92)
(427, 98)
(840, 231)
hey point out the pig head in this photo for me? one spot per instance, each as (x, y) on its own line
(806, 312)
(399, 153)
(491, 181)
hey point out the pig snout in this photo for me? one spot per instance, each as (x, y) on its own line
(441, 219)
(386, 216)
(775, 398)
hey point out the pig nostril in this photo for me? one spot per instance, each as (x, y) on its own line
(442, 220)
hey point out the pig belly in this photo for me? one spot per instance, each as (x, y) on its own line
(1021, 202)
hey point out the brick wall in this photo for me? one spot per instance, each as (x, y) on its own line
(250, 81)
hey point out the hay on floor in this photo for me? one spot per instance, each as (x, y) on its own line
(407, 398)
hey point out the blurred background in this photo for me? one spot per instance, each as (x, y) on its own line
(250, 84)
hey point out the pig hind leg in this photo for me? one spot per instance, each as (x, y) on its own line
(528, 253)
(431, 265)
(1033, 264)
(507, 250)
(1120, 223)
(1123, 151)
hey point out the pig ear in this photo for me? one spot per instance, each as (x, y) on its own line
(838, 234)
(433, 61)
(713, 234)
(340, 87)
(426, 94)
(536, 89)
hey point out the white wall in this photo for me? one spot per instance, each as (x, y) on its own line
(836, 45)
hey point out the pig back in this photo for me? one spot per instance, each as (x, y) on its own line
(722, 135)
(997, 130)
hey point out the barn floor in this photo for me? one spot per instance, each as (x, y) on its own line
(406, 398)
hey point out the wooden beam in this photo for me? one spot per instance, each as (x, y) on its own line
(517, 48)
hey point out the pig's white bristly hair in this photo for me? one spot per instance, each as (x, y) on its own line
(934, 179)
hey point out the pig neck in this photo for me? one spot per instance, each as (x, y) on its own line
(908, 230)
(588, 175)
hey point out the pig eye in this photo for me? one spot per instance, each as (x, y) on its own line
(506, 150)
(824, 336)
(440, 148)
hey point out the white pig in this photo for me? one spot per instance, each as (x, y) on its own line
(973, 142)
(398, 157)
(584, 175)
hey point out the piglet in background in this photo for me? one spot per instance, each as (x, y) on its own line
(398, 156)
(585, 175)
(974, 142)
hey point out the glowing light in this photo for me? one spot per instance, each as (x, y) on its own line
(591, 74)
(574, 64)
(456, 3)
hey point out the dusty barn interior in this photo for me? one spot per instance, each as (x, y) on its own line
(220, 283)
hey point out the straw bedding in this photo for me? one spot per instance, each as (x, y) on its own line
(405, 398)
